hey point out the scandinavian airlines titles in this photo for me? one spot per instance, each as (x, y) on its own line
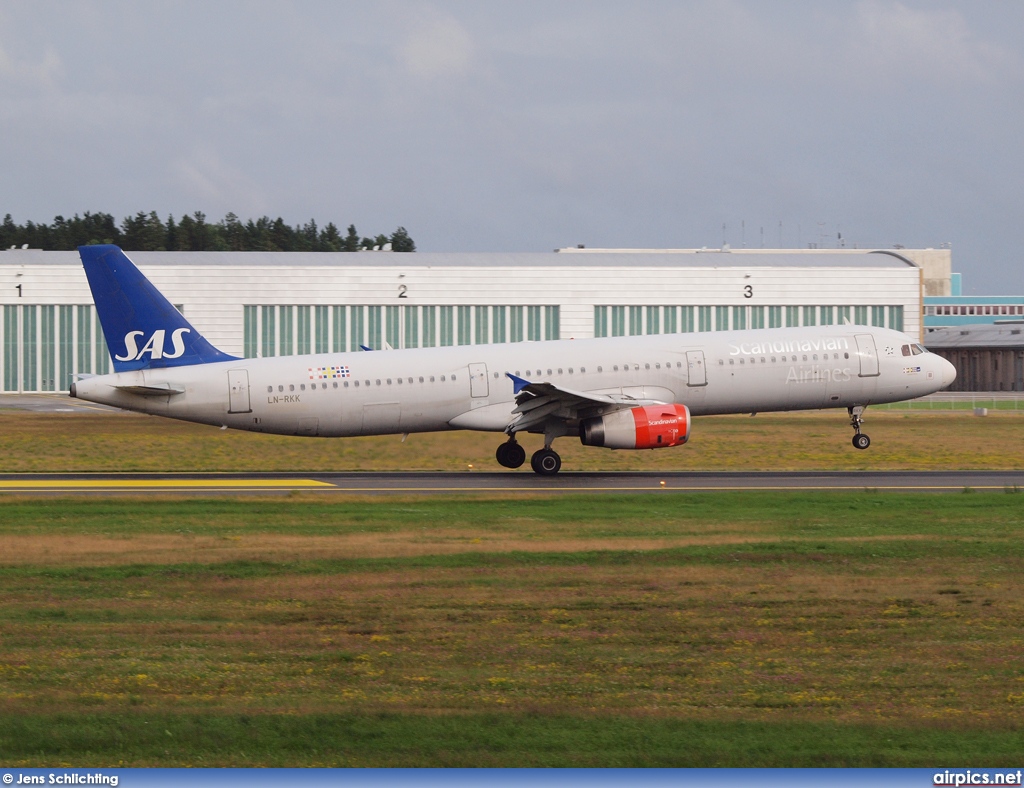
(790, 346)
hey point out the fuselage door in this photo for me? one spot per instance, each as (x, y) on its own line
(696, 372)
(478, 380)
(238, 391)
(867, 355)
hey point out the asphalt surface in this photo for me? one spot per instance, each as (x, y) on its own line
(59, 402)
(509, 482)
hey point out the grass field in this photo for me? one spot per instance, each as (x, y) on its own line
(803, 441)
(714, 629)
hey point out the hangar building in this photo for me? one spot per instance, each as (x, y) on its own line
(275, 303)
(986, 357)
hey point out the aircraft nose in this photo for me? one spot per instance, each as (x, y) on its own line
(948, 372)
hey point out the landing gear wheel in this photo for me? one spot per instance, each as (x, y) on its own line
(860, 440)
(510, 454)
(545, 462)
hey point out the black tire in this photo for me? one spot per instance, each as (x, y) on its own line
(861, 441)
(516, 455)
(545, 462)
(510, 455)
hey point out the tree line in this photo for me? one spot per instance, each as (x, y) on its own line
(147, 232)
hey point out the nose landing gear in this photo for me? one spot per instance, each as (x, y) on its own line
(860, 440)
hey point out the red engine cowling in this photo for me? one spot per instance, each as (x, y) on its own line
(650, 427)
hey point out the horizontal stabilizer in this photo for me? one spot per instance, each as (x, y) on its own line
(150, 391)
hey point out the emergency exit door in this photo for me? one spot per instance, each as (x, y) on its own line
(868, 356)
(695, 370)
(478, 380)
(238, 391)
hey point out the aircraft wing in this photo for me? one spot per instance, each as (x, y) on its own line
(540, 404)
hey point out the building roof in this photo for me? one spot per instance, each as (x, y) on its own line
(714, 258)
(1008, 335)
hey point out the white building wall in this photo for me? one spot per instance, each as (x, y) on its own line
(213, 296)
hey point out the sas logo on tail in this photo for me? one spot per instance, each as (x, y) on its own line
(154, 346)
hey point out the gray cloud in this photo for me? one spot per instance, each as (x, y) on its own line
(485, 127)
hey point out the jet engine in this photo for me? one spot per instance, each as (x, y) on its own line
(649, 427)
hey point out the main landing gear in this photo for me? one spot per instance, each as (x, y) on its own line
(544, 462)
(510, 454)
(860, 440)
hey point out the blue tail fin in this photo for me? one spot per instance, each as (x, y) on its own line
(142, 328)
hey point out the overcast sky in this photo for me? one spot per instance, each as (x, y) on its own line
(526, 126)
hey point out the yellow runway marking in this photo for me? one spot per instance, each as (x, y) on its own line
(681, 488)
(134, 484)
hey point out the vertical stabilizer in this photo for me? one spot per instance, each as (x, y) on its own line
(142, 328)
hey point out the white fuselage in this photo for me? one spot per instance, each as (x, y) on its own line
(430, 389)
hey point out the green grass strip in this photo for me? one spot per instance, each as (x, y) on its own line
(140, 739)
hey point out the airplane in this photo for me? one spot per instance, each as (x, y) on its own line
(637, 392)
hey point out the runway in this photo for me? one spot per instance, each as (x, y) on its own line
(510, 483)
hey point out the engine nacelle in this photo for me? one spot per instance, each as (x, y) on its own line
(650, 427)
